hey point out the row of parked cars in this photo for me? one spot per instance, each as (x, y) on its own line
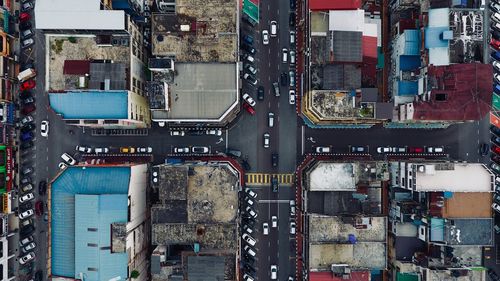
(387, 149)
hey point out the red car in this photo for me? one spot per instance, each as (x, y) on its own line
(249, 108)
(28, 85)
(39, 208)
(24, 17)
(495, 149)
(28, 108)
(416, 150)
(495, 44)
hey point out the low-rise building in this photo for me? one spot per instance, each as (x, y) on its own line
(195, 222)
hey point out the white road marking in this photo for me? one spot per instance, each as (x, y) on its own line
(302, 139)
(274, 201)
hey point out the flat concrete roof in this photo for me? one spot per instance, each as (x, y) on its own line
(201, 91)
(454, 177)
(370, 255)
(468, 205)
(328, 176)
(333, 229)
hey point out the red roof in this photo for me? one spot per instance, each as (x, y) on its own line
(369, 46)
(76, 67)
(328, 276)
(460, 92)
(321, 5)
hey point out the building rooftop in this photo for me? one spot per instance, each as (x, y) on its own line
(455, 275)
(205, 268)
(347, 46)
(201, 91)
(468, 205)
(458, 92)
(198, 31)
(196, 203)
(326, 5)
(405, 247)
(70, 61)
(329, 176)
(454, 177)
(362, 201)
(324, 229)
(370, 255)
(67, 233)
(90, 104)
(328, 276)
(469, 232)
(77, 15)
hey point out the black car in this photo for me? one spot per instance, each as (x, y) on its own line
(25, 206)
(248, 48)
(260, 93)
(284, 79)
(292, 4)
(291, 20)
(27, 66)
(28, 128)
(495, 130)
(42, 188)
(249, 258)
(27, 230)
(495, 34)
(495, 140)
(275, 159)
(25, 25)
(26, 145)
(495, 158)
(249, 221)
(275, 184)
(484, 149)
(24, 95)
(249, 268)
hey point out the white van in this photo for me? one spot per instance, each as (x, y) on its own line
(68, 159)
(271, 119)
(292, 37)
(285, 56)
(250, 251)
(26, 74)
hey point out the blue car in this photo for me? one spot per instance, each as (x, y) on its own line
(248, 39)
(497, 89)
(28, 136)
(496, 55)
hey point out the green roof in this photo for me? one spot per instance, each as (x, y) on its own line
(407, 276)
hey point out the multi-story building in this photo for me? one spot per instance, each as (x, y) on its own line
(96, 60)
(99, 223)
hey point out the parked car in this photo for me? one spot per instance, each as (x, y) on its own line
(24, 207)
(27, 258)
(28, 108)
(381, 149)
(39, 208)
(267, 140)
(416, 150)
(26, 6)
(274, 159)
(265, 37)
(495, 6)
(26, 120)
(495, 43)
(292, 227)
(24, 17)
(25, 180)
(284, 79)
(249, 201)
(292, 207)
(27, 33)
(291, 19)
(323, 149)
(127, 149)
(181, 149)
(28, 136)
(249, 49)
(248, 39)
(31, 246)
(83, 149)
(62, 165)
(484, 149)
(250, 193)
(42, 188)
(495, 167)
(27, 85)
(495, 207)
(144, 149)
(26, 197)
(357, 149)
(25, 241)
(249, 239)
(68, 159)
(250, 68)
(251, 212)
(26, 214)
(247, 277)
(98, 150)
(495, 17)
(214, 132)
(28, 128)
(177, 133)
(26, 145)
(44, 128)
(292, 5)
(496, 76)
(291, 97)
(27, 43)
(25, 25)
(496, 64)
(27, 187)
(27, 170)
(249, 108)
(260, 93)
(200, 149)
(250, 78)
(435, 149)
(496, 55)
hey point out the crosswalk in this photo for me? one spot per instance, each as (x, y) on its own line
(258, 178)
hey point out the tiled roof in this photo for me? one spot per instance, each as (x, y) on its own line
(467, 95)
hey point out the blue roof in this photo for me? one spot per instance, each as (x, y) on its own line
(433, 38)
(409, 62)
(412, 42)
(90, 104)
(437, 230)
(78, 180)
(99, 212)
(407, 88)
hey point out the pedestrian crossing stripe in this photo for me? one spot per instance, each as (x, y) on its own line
(258, 178)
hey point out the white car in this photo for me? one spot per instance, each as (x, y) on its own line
(68, 159)
(265, 37)
(251, 212)
(291, 97)
(292, 57)
(29, 257)
(62, 165)
(29, 247)
(496, 65)
(25, 241)
(323, 149)
(177, 133)
(101, 150)
(274, 28)
(496, 207)
(181, 149)
(214, 132)
(249, 239)
(247, 277)
(435, 149)
(274, 272)
(249, 201)
(144, 149)
(265, 228)
(381, 149)
(250, 192)
(83, 149)
(44, 128)
(251, 69)
(292, 227)
(267, 140)
(274, 221)
(26, 214)
(26, 197)
(200, 149)
(249, 99)
(497, 77)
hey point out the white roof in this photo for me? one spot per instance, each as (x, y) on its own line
(351, 20)
(439, 56)
(454, 177)
(77, 15)
(439, 17)
(327, 176)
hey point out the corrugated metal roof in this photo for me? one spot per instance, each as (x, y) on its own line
(407, 88)
(436, 230)
(433, 38)
(412, 42)
(407, 277)
(369, 46)
(78, 180)
(409, 62)
(205, 268)
(99, 212)
(90, 104)
(347, 46)
(324, 5)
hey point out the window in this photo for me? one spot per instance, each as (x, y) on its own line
(111, 121)
(105, 248)
(72, 121)
(91, 269)
(91, 245)
(90, 121)
(128, 209)
(92, 229)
